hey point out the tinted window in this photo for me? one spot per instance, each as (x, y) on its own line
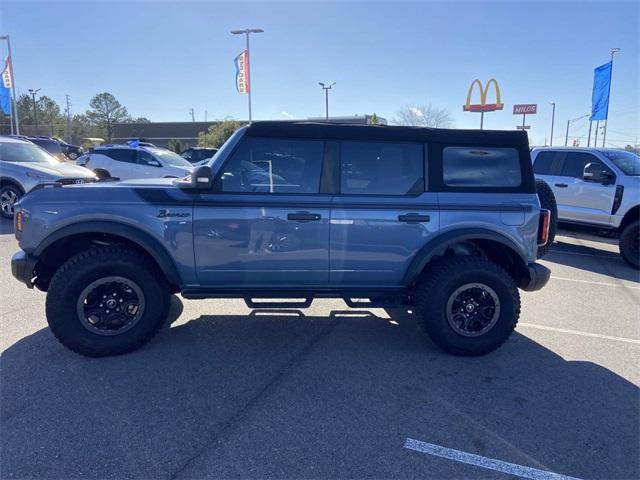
(544, 163)
(575, 162)
(383, 168)
(49, 145)
(274, 165)
(121, 154)
(145, 158)
(481, 167)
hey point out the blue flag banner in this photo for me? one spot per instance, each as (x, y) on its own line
(5, 89)
(601, 89)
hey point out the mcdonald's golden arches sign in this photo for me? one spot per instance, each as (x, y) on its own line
(483, 106)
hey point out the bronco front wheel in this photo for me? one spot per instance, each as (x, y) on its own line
(467, 305)
(106, 301)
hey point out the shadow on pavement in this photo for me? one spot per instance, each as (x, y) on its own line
(592, 259)
(275, 395)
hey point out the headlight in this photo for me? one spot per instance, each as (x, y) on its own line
(39, 176)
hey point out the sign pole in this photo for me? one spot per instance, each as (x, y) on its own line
(595, 141)
(249, 75)
(523, 122)
(589, 136)
(481, 119)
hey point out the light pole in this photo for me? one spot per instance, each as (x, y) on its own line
(326, 89)
(566, 136)
(553, 118)
(13, 83)
(246, 32)
(604, 133)
(35, 113)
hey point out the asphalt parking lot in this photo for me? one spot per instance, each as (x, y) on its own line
(224, 391)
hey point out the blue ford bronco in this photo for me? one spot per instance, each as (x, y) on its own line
(445, 220)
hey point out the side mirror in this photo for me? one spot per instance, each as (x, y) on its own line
(202, 178)
(596, 172)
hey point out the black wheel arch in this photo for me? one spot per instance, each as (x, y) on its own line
(632, 215)
(72, 238)
(495, 246)
(10, 181)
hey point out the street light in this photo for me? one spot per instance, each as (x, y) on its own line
(14, 111)
(247, 32)
(553, 118)
(566, 136)
(614, 50)
(35, 114)
(326, 97)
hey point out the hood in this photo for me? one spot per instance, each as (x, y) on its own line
(135, 182)
(59, 170)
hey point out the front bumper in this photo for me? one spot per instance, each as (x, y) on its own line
(537, 277)
(22, 266)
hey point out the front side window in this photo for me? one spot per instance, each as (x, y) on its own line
(481, 167)
(381, 168)
(575, 162)
(145, 158)
(274, 165)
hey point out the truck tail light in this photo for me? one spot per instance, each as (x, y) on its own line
(17, 222)
(543, 227)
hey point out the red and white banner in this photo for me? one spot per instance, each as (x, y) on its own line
(242, 72)
(6, 74)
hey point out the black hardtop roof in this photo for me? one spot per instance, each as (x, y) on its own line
(385, 133)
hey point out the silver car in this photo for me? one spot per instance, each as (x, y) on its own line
(24, 165)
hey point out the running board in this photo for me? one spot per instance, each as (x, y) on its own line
(251, 303)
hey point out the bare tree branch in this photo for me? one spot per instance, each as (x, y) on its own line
(424, 116)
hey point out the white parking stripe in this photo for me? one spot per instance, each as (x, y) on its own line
(483, 462)
(577, 332)
(553, 277)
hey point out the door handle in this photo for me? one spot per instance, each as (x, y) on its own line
(413, 218)
(561, 185)
(304, 216)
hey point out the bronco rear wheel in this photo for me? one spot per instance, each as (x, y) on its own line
(467, 305)
(548, 202)
(107, 300)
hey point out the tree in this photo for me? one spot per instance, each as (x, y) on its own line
(374, 119)
(424, 116)
(140, 120)
(174, 145)
(218, 133)
(631, 148)
(105, 112)
(48, 115)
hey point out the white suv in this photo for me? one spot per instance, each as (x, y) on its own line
(124, 162)
(596, 187)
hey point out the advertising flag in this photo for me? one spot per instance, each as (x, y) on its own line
(5, 88)
(601, 89)
(242, 72)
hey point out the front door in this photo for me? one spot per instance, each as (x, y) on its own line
(266, 223)
(382, 215)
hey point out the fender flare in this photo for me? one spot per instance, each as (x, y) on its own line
(14, 182)
(440, 244)
(142, 239)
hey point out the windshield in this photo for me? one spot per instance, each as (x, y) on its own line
(170, 158)
(628, 162)
(25, 153)
(225, 149)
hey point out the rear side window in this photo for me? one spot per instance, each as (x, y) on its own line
(544, 163)
(481, 167)
(575, 162)
(382, 168)
(126, 155)
(274, 165)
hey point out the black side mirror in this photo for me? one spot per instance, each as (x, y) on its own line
(596, 172)
(202, 178)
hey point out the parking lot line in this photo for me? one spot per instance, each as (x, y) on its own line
(612, 255)
(483, 462)
(577, 332)
(553, 277)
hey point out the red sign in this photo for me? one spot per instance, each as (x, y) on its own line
(525, 109)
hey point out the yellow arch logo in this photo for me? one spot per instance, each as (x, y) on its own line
(483, 106)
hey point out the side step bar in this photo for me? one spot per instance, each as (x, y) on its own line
(251, 303)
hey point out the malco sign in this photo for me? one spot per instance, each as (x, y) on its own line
(525, 109)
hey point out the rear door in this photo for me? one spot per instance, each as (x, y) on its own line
(580, 200)
(266, 223)
(123, 164)
(382, 215)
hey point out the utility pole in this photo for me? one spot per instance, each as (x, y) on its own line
(192, 113)
(68, 99)
(326, 97)
(604, 133)
(14, 111)
(566, 135)
(553, 118)
(35, 110)
(246, 32)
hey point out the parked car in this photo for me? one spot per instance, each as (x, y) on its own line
(125, 162)
(72, 152)
(595, 187)
(24, 165)
(50, 145)
(198, 154)
(446, 220)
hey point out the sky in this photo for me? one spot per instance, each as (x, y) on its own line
(162, 58)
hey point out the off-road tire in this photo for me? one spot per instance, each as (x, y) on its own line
(547, 201)
(629, 244)
(441, 281)
(13, 191)
(93, 264)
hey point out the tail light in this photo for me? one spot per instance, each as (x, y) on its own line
(17, 222)
(543, 227)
